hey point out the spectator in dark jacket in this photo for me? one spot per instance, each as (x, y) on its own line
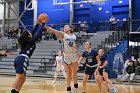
(130, 71)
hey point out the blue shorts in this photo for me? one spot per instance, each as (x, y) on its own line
(90, 70)
(101, 70)
(21, 64)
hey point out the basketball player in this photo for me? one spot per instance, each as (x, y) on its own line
(103, 73)
(27, 42)
(70, 55)
(92, 64)
(59, 66)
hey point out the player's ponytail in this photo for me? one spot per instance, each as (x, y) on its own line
(71, 29)
(23, 39)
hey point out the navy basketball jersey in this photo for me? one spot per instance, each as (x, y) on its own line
(90, 57)
(102, 59)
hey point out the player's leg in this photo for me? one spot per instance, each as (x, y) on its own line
(21, 64)
(55, 74)
(88, 72)
(22, 82)
(68, 77)
(84, 82)
(98, 81)
(63, 71)
(74, 76)
(109, 82)
(16, 83)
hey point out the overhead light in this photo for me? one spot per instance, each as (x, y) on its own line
(107, 12)
(100, 8)
(81, 5)
(124, 19)
(85, 22)
(79, 22)
(120, 2)
(118, 19)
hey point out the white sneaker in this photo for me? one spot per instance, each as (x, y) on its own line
(68, 92)
(114, 90)
(74, 90)
(54, 81)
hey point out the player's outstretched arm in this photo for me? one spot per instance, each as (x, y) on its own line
(56, 32)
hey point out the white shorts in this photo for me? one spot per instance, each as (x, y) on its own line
(70, 58)
(60, 68)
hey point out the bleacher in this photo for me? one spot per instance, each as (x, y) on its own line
(42, 60)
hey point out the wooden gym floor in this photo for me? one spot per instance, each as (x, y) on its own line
(44, 85)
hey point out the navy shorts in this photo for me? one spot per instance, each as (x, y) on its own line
(21, 64)
(101, 70)
(89, 70)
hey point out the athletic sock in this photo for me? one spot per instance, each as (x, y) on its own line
(76, 85)
(13, 91)
(68, 88)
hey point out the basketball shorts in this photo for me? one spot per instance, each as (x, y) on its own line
(21, 63)
(101, 70)
(60, 68)
(89, 70)
(70, 58)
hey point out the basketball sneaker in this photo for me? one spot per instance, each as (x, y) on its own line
(14, 91)
(114, 90)
(68, 92)
(74, 90)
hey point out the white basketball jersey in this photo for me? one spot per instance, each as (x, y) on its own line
(69, 43)
(59, 60)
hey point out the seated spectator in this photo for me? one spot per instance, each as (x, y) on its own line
(48, 36)
(130, 71)
(54, 36)
(5, 53)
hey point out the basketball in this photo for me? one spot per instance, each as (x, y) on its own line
(42, 17)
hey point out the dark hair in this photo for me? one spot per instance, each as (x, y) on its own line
(71, 31)
(23, 38)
